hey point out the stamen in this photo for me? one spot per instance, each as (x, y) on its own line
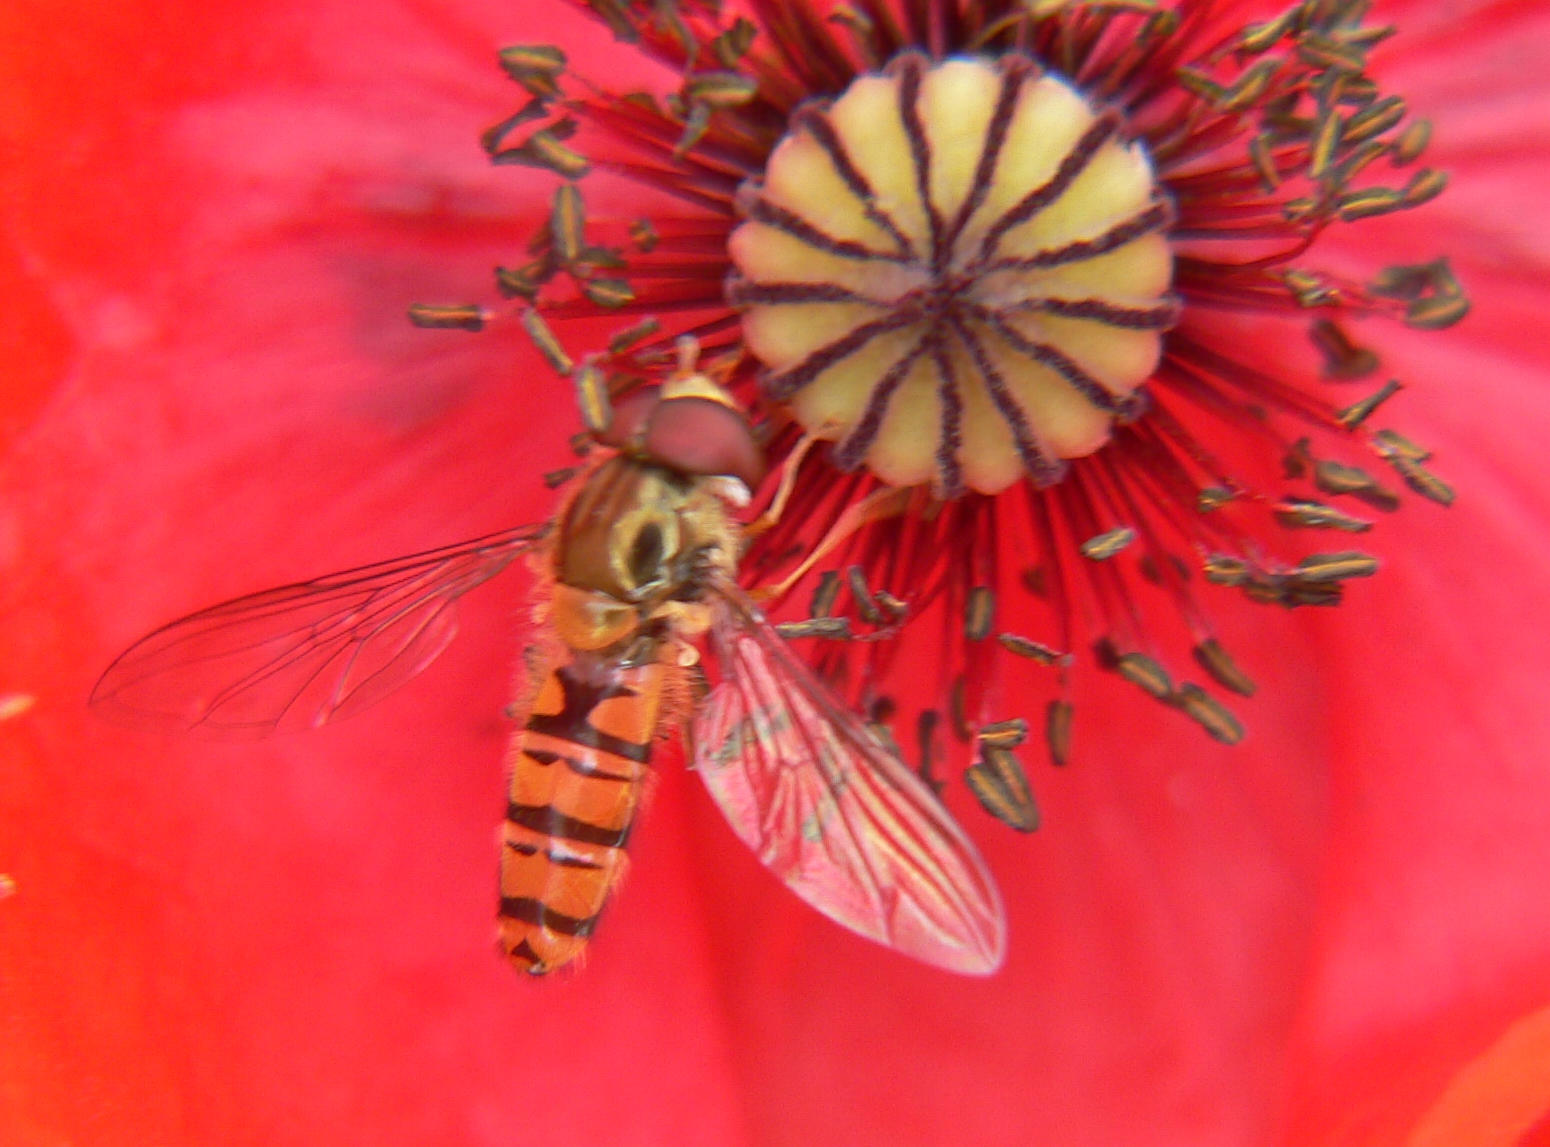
(998, 782)
(1209, 713)
(1057, 730)
(830, 628)
(1107, 544)
(979, 613)
(995, 254)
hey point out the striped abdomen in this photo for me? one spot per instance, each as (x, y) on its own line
(577, 769)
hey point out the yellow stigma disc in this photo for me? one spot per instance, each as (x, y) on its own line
(957, 272)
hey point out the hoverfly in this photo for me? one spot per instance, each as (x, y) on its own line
(639, 562)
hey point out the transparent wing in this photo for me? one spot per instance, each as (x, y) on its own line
(834, 814)
(303, 654)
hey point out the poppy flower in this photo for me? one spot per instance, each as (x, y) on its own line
(1328, 934)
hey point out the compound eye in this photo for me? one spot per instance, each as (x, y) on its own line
(700, 436)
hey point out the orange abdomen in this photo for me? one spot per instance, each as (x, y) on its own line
(577, 772)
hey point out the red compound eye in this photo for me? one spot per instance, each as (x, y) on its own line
(702, 436)
(688, 434)
(627, 426)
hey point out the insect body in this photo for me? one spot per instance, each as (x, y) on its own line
(577, 774)
(634, 555)
(639, 563)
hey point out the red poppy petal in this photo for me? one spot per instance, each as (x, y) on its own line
(1308, 937)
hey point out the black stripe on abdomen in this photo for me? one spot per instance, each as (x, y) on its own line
(538, 914)
(548, 821)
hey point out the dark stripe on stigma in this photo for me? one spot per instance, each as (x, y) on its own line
(1071, 166)
(1013, 72)
(823, 133)
(948, 469)
(1158, 317)
(742, 293)
(763, 211)
(848, 454)
(908, 70)
(1068, 369)
(1044, 470)
(1157, 216)
(780, 387)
